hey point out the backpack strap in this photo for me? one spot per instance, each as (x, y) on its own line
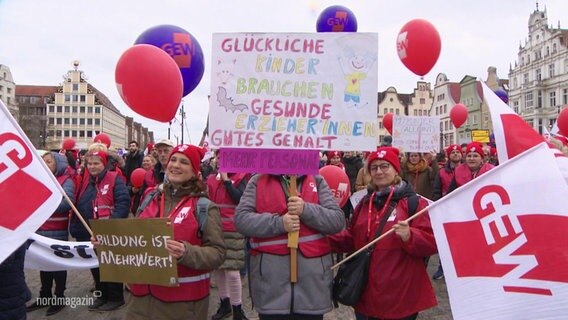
(149, 198)
(201, 213)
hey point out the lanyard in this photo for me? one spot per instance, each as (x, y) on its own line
(162, 201)
(386, 205)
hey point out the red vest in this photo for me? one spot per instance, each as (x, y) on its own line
(104, 200)
(58, 221)
(193, 284)
(218, 194)
(272, 200)
(463, 173)
(445, 179)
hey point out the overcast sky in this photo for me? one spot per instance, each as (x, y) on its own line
(41, 38)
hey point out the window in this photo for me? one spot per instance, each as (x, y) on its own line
(74, 133)
(528, 100)
(89, 110)
(391, 110)
(537, 75)
(539, 99)
(67, 98)
(380, 124)
(97, 109)
(551, 70)
(385, 111)
(58, 133)
(51, 109)
(446, 126)
(445, 108)
(547, 51)
(564, 96)
(81, 109)
(8, 90)
(74, 109)
(59, 121)
(437, 110)
(552, 98)
(82, 98)
(89, 122)
(59, 109)
(526, 78)
(51, 121)
(97, 122)
(422, 101)
(67, 109)
(554, 48)
(397, 111)
(82, 121)
(415, 112)
(66, 133)
(66, 121)
(75, 98)
(81, 134)
(516, 107)
(33, 100)
(74, 121)
(75, 86)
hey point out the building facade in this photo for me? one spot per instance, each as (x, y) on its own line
(539, 79)
(8, 91)
(33, 120)
(446, 95)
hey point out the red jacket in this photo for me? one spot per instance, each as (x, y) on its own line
(218, 194)
(311, 243)
(193, 284)
(446, 177)
(398, 283)
(463, 173)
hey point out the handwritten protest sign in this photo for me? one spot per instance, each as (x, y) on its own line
(269, 161)
(134, 251)
(294, 91)
(416, 134)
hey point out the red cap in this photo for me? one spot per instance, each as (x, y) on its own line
(452, 148)
(388, 154)
(475, 147)
(194, 153)
(331, 154)
(102, 138)
(101, 154)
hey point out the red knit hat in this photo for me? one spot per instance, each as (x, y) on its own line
(475, 147)
(452, 148)
(101, 154)
(194, 153)
(102, 138)
(388, 154)
(331, 154)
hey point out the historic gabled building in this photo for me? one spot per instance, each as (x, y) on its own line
(8, 91)
(446, 95)
(539, 79)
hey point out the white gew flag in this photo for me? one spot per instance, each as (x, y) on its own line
(513, 135)
(28, 191)
(502, 241)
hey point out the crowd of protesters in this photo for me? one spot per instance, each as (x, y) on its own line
(249, 219)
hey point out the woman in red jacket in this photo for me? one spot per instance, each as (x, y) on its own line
(398, 286)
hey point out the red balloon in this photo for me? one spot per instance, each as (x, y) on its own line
(338, 182)
(562, 122)
(68, 144)
(149, 82)
(458, 115)
(102, 138)
(418, 46)
(137, 177)
(387, 122)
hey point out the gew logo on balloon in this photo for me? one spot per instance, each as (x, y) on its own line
(181, 49)
(338, 22)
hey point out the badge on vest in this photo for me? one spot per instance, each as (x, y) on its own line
(392, 216)
(182, 214)
(104, 189)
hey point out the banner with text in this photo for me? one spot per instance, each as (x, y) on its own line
(134, 251)
(416, 134)
(270, 161)
(294, 91)
(48, 254)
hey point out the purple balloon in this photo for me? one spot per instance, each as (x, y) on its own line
(336, 19)
(182, 47)
(502, 95)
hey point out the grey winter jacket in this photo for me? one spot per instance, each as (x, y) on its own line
(269, 275)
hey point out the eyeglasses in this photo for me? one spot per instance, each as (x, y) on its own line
(384, 167)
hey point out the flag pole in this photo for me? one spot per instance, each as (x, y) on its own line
(377, 239)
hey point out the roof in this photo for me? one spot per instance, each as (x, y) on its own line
(102, 99)
(40, 91)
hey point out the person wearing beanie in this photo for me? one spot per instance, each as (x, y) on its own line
(102, 195)
(407, 289)
(473, 167)
(442, 185)
(417, 171)
(267, 213)
(197, 243)
(334, 159)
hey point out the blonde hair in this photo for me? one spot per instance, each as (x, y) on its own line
(97, 146)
